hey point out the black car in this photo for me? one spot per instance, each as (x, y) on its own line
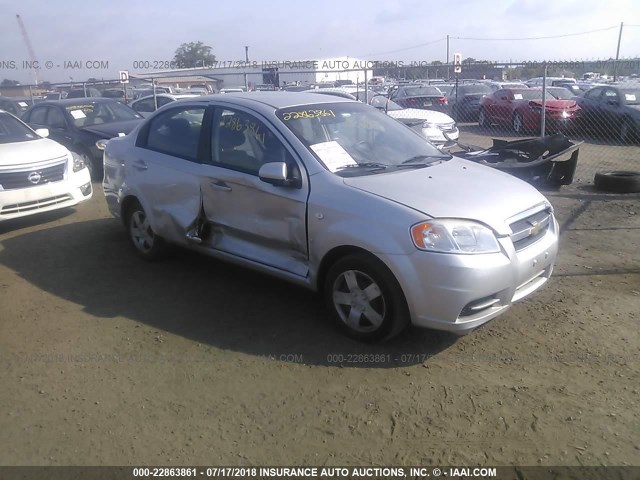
(84, 92)
(612, 111)
(419, 96)
(79, 123)
(15, 105)
(465, 104)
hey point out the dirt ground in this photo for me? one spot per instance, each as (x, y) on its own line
(108, 360)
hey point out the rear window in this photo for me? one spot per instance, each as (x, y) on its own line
(423, 90)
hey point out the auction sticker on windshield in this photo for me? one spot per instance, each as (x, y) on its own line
(517, 96)
(630, 97)
(333, 155)
(77, 114)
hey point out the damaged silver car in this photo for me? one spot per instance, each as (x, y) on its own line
(334, 195)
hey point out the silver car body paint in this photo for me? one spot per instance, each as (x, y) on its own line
(288, 232)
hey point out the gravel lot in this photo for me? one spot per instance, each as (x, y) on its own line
(108, 360)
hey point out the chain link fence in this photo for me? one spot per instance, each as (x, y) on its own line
(595, 104)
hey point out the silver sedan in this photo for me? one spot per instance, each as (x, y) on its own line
(334, 195)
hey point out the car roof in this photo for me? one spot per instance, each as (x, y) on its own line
(77, 101)
(173, 96)
(274, 99)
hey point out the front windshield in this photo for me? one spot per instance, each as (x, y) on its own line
(97, 113)
(560, 93)
(531, 94)
(12, 130)
(351, 138)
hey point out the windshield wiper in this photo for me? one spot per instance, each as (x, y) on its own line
(375, 165)
(419, 160)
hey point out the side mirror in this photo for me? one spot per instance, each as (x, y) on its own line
(101, 144)
(612, 102)
(274, 173)
(504, 98)
(43, 132)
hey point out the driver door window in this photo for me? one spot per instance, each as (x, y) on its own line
(244, 143)
(55, 119)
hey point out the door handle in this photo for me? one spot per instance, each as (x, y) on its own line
(219, 185)
(139, 165)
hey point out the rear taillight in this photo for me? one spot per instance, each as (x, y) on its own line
(443, 100)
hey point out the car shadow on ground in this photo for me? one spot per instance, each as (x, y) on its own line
(211, 302)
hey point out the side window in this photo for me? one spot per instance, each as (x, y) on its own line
(177, 132)
(55, 118)
(145, 105)
(38, 116)
(8, 107)
(163, 101)
(242, 142)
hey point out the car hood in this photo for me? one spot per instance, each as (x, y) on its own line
(557, 104)
(455, 189)
(110, 130)
(410, 115)
(20, 153)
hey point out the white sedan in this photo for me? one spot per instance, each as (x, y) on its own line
(36, 173)
(437, 127)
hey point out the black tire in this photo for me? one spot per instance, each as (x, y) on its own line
(365, 299)
(483, 121)
(145, 241)
(619, 182)
(628, 132)
(517, 123)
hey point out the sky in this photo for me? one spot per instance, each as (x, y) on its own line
(114, 35)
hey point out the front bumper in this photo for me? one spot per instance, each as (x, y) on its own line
(73, 189)
(437, 136)
(458, 293)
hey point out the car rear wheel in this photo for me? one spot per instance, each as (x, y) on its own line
(148, 245)
(365, 299)
(518, 123)
(483, 121)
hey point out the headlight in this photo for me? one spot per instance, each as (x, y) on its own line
(78, 162)
(454, 236)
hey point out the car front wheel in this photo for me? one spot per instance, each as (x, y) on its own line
(628, 132)
(149, 245)
(365, 299)
(518, 123)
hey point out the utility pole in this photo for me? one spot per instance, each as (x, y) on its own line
(448, 74)
(246, 53)
(615, 65)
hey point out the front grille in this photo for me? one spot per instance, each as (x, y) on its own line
(529, 230)
(32, 177)
(35, 204)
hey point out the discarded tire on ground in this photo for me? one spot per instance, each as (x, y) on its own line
(619, 181)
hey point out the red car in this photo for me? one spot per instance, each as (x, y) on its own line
(521, 108)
